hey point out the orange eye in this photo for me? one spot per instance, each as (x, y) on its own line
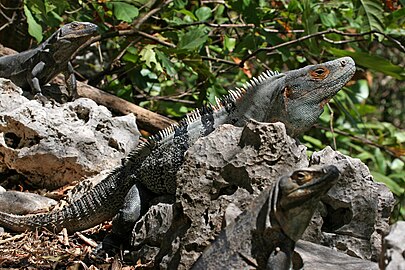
(319, 73)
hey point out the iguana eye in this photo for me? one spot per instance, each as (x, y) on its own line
(319, 73)
(300, 175)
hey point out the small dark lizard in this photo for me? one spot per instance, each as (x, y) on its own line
(37, 67)
(264, 235)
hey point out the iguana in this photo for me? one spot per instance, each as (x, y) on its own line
(264, 235)
(295, 98)
(37, 67)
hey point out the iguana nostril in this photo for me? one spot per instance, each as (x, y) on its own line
(343, 63)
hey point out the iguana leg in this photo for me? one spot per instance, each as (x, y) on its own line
(70, 81)
(135, 204)
(33, 81)
(33, 78)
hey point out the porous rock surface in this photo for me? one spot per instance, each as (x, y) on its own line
(21, 203)
(393, 254)
(226, 170)
(356, 211)
(55, 144)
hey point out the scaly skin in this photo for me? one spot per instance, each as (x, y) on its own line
(264, 236)
(37, 67)
(295, 98)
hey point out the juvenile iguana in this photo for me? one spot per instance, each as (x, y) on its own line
(264, 235)
(295, 98)
(37, 67)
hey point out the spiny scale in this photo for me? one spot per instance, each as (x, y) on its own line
(221, 102)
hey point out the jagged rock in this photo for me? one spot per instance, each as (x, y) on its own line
(24, 203)
(53, 145)
(226, 170)
(393, 254)
(319, 257)
(357, 208)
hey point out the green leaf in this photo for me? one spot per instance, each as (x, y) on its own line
(167, 64)
(188, 13)
(229, 43)
(203, 13)
(34, 29)
(149, 56)
(391, 184)
(375, 14)
(313, 141)
(328, 19)
(125, 12)
(374, 62)
(193, 39)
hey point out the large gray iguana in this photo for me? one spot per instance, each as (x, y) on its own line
(295, 98)
(264, 235)
(37, 67)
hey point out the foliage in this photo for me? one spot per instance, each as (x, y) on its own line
(176, 55)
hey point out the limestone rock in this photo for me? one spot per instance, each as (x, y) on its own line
(226, 170)
(357, 208)
(319, 257)
(393, 254)
(53, 145)
(21, 203)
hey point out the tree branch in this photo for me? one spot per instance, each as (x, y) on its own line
(322, 33)
(364, 141)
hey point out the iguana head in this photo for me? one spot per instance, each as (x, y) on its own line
(295, 97)
(76, 30)
(64, 42)
(305, 91)
(297, 196)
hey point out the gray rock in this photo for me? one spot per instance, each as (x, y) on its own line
(232, 165)
(53, 145)
(226, 170)
(318, 257)
(357, 208)
(21, 203)
(393, 254)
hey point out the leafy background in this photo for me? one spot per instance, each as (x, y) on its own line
(173, 56)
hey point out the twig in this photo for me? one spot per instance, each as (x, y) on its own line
(184, 101)
(87, 240)
(218, 60)
(150, 13)
(331, 125)
(14, 238)
(364, 141)
(322, 33)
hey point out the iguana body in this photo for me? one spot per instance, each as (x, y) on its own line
(264, 235)
(37, 67)
(295, 97)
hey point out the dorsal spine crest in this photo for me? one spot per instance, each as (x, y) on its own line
(220, 103)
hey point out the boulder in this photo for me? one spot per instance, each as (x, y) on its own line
(225, 171)
(393, 253)
(53, 144)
